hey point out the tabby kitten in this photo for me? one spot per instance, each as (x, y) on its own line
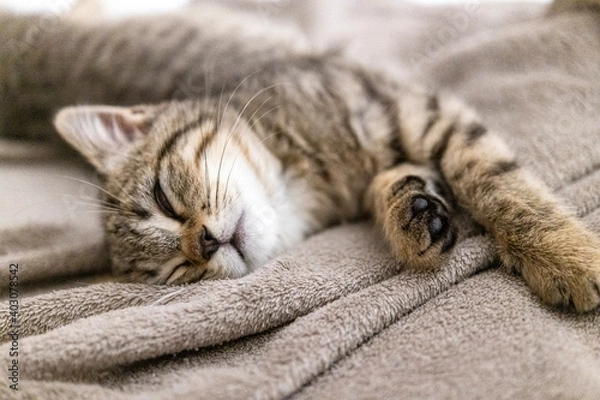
(215, 187)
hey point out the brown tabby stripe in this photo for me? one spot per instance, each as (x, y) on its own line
(391, 109)
(204, 143)
(501, 168)
(123, 227)
(175, 136)
(396, 144)
(296, 141)
(149, 273)
(170, 143)
(474, 132)
(173, 34)
(140, 212)
(307, 152)
(342, 106)
(438, 151)
(434, 108)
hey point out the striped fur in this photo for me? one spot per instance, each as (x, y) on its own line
(215, 186)
(311, 142)
(561, 6)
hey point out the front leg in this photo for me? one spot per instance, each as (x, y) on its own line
(558, 257)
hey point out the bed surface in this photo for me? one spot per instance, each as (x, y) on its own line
(336, 317)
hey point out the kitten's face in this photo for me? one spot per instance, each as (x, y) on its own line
(195, 195)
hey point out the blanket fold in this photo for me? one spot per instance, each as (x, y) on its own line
(336, 317)
(38, 249)
(347, 315)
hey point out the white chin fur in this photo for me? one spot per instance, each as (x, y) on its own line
(227, 263)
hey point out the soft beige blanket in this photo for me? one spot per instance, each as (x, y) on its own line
(336, 317)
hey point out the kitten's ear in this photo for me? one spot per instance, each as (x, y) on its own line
(103, 133)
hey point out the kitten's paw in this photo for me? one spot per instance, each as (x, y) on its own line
(567, 272)
(429, 221)
(419, 224)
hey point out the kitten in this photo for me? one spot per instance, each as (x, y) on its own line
(215, 187)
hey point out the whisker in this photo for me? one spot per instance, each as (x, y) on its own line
(123, 190)
(168, 295)
(87, 203)
(94, 212)
(96, 202)
(97, 207)
(91, 200)
(219, 106)
(126, 192)
(261, 117)
(239, 85)
(107, 206)
(232, 131)
(84, 200)
(208, 77)
(237, 121)
(94, 186)
(62, 195)
(239, 151)
(206, 177)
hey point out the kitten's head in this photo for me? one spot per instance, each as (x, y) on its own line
(190, 193)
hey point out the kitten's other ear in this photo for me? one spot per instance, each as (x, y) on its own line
(104, 133)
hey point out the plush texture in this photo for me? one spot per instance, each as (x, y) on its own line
(336, 317)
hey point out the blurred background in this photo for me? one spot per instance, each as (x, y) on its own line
(120, 7)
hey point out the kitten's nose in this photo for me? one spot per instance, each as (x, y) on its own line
(208, 243)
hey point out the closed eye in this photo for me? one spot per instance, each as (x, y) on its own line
(163, 202)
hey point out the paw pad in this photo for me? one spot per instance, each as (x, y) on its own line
(436, 228)
(419, 205)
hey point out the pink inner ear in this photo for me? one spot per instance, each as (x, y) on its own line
(128, 127)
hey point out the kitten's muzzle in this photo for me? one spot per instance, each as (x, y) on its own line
(209, 244)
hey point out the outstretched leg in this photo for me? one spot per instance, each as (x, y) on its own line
(535, 235)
